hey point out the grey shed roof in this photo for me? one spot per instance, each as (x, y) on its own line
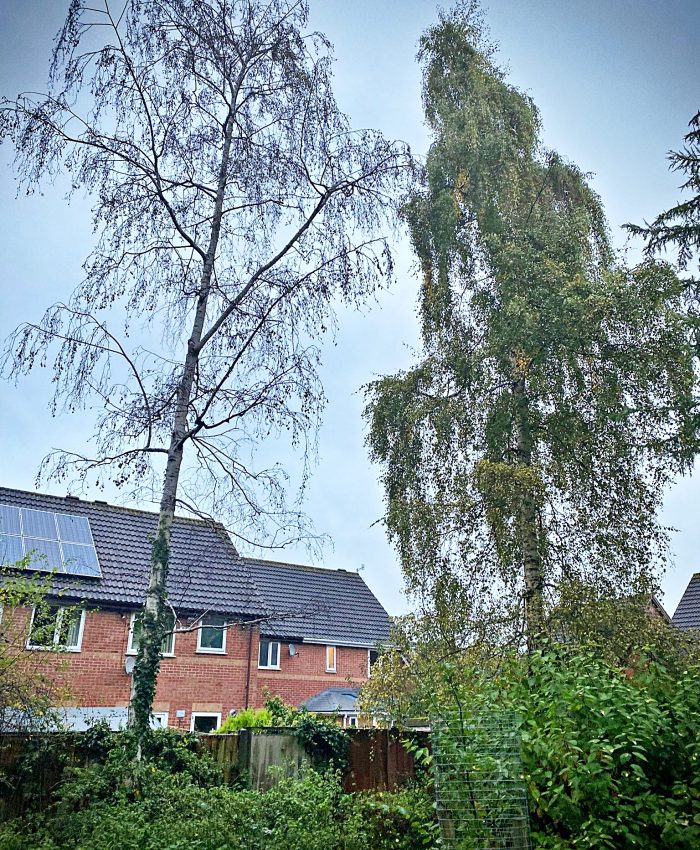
(81, 719)
(687, 615)
(206, 572)
(315, 604)
(333, 700)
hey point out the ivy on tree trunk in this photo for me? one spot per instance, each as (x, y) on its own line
(233, 207)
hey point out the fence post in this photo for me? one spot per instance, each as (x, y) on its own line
(244, 747)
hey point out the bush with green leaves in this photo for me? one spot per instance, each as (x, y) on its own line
(247, 718)
(611, 755)
(323, 740)
(170, 811)
(92, 765)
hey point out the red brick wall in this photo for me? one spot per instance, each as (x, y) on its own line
(304, 674)
(191, 681)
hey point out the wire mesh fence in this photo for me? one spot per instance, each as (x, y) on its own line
(479, 787)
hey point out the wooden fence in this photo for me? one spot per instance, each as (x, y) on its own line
(377, 760)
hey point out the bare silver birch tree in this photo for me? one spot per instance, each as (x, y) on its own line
(232, 204)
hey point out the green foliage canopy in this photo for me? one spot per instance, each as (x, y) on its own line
(531, 444)
(610, 756)
(247, 718)
(610, 753)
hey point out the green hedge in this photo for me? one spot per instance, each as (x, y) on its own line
(155, 810)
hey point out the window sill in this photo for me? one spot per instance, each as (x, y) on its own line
(260, 667)
(54, 648)
(331, 671)
(210, 651)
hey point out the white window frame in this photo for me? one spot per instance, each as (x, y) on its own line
(369, 661)
(196, 714)
(334, 667)
(270, 644)
(163, 715)
(132, 650)
(55, 645)
(220, 626)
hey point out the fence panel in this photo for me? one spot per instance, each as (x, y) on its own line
(377, 761)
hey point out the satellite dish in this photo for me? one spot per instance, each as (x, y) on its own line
(129, 664)
(292, 650)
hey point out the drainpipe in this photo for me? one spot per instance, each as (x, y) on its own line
(250, 658)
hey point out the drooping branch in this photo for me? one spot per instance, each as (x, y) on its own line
(230, 199)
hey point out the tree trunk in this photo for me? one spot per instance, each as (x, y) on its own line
(156, 616)
(527, 520)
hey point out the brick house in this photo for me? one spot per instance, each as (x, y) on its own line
(243, 626)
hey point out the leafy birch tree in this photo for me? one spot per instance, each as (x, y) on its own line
(530, 446)
(232, 205)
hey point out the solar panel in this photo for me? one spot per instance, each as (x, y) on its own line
(54, 541)
(9, 520)
(40, 524)
(10, 549)
(74, 529)
(48, 551)
(80, 560)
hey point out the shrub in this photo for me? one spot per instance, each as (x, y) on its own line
(402, 820)
(611, 756)
(247, 718)
(100, 765)
(309, 813)
(323, 740)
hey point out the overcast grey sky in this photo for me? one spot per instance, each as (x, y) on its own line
(616, 82)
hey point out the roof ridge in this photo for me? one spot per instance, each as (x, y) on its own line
(312, 567)
(104, 504)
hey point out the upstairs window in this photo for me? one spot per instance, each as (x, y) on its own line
(269, 655)
(330, 659)
(56, 627)
(167, 648)
(211, 636)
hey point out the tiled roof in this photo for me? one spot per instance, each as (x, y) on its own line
(206, 572)
(333, 699)
(315, 604)
(687, 615)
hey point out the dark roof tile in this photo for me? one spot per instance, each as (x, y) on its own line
(687, 614)
(333, 699)
(315, 604)
(206, 572)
